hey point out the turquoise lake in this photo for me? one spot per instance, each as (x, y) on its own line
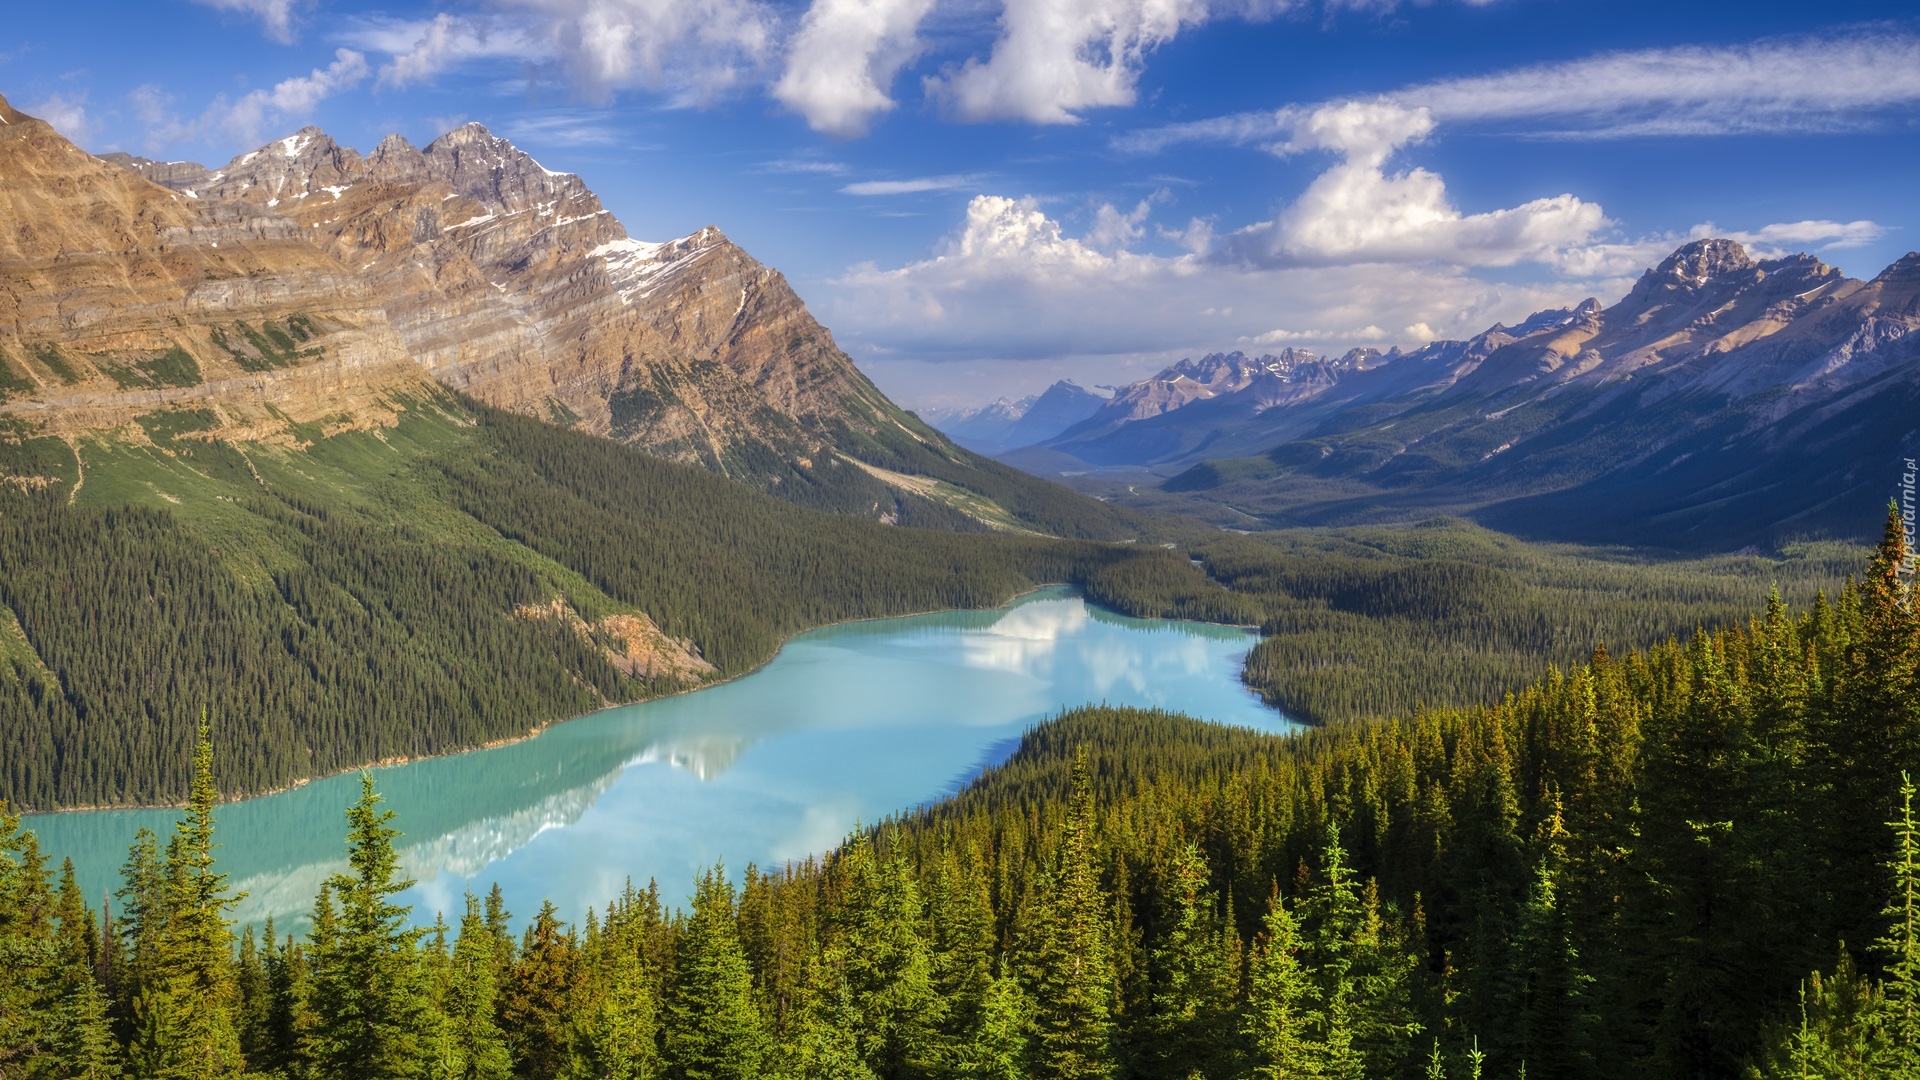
(847, 725)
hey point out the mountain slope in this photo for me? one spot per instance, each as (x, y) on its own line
(1721, 402)
(511, 282)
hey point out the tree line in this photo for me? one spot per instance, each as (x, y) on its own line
(1696, 860)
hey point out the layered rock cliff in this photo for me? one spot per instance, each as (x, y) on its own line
(118, 297)
(511, 282)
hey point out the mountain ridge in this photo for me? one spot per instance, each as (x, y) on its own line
(1669, 417)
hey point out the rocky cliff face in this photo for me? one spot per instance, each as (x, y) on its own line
(511, 282)
(119, 297)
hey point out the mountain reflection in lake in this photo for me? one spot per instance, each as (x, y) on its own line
(848, 724)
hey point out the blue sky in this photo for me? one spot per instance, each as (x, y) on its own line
(980, 196)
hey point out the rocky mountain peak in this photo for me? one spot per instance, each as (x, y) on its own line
(492, 171)
(1701, 261)
(1904, 270)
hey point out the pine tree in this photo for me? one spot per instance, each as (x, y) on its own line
(476, 1049)
(1900, 946)
(1193, 981)
(536, 1006)
(371, 1012)
(1064, 962)
(887, 964)
(185, 1024)
(1281, 1014)
(713, 1030)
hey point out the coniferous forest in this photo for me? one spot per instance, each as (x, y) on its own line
(1696, 860)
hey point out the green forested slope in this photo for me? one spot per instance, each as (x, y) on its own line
(1634, 868)
(381, 594)
(1371, 622)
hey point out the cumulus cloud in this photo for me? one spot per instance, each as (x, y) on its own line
(66, 112)
(290, 99)
(1778, 85)
(1115, 231)
(842, 63)
(1359, 212)
(690, 49)
(1011, 283)
(1056, 58)
(1628, 257)
(276, 16)
(254, 115)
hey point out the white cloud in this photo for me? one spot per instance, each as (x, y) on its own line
(1625, 258)
(1057, 58)
(842, 63)
(1113, 230)
(1010, 283)
(276, 16)
(560, 129)
(1778, 85)
(66, 112)
(249, 118)
(252, 117)
(914, 186)
(812, 166)
(1786, 237)
(692, 50)
(422, 50)
(1358, 212)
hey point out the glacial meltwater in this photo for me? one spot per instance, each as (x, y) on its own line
(847, 725)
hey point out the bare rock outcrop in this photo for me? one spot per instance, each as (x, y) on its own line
(119, 297)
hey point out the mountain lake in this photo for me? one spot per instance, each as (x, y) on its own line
(848, 724)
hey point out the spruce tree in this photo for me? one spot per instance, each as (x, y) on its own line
(536, 1006)
(27, 951)
(81, 1036)
(1064, 958)
(712, 1030)
(185, 1022)
(823, 1038)
(622, 1030)
(477, 1051)
(1193, 981)
(887, 963)
(372, 1017)
(997, 1048)
(1900, 945)
(1281, 1015)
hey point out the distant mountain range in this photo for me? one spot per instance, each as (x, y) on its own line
(1722, 401)
(1006, 425)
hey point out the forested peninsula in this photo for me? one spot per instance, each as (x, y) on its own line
(1697, 860)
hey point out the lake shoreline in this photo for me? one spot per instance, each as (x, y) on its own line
(544, 726)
